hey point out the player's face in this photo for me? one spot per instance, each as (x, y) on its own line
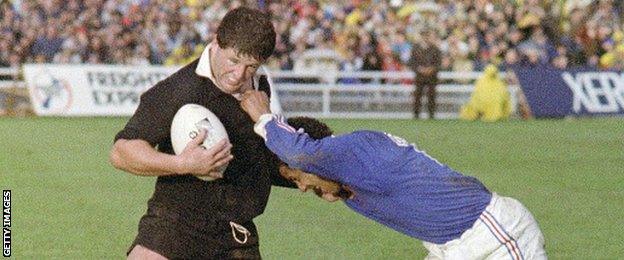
(232, 71)
(325, 189)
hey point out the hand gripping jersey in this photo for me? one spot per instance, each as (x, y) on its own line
(394, 183)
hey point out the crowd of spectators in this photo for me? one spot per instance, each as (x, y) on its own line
(361, 34)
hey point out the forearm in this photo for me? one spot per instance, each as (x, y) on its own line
(140, 158)
(294, 148)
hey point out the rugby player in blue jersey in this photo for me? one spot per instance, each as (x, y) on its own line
(386, 179)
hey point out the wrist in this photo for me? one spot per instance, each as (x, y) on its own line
(260, 125)
(260, 114)
(178, 165)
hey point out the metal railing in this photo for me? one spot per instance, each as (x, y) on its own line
(9, 78)
(14, 98)
(369, 94)
(375, 94)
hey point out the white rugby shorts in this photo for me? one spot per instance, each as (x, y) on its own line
(505, 230)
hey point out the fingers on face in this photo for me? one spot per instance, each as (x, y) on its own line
(248, 94)
(261, 95)
(254, 93)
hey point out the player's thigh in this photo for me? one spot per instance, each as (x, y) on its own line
(531, 239)
(142, 253)
(523, 228)
(533, 243)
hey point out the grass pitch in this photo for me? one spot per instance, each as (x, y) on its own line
(69, 203)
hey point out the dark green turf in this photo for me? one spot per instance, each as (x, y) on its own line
(69, 203)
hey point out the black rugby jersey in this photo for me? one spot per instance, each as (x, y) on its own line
(243, 192)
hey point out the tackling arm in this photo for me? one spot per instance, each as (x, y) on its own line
(296, 149)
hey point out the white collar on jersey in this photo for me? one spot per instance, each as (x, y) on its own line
(203, 67)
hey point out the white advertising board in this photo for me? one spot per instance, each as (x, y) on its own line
(89, 90)
(96, 90)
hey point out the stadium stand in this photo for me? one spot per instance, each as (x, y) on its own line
(473, 32)
(346, 36)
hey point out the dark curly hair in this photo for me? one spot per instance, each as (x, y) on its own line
(314, 128)
(248, 31)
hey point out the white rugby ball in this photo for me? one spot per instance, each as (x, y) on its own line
(186, 124)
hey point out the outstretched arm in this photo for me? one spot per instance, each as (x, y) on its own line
(296, 149)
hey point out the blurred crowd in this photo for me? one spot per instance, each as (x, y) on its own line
(355, 34)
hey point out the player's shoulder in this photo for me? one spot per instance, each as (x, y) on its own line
(377, 138)
(183, 82)
(368, 133)
(185, 76)
(360, 136)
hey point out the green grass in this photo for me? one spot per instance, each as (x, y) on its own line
(69, 203)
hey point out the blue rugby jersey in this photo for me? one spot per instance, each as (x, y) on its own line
(394, 183)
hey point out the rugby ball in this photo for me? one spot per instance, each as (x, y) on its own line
(186, 125)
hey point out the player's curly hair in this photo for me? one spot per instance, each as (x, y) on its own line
(314, 128)
(248, 31)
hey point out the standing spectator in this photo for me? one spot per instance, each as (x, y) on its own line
(425, 61)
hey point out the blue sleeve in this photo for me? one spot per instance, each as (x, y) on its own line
(300, 151)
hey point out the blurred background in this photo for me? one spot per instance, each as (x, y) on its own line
(549, 72)
(346, 43)
(363, 35)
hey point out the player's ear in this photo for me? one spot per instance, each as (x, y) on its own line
(215, 42)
